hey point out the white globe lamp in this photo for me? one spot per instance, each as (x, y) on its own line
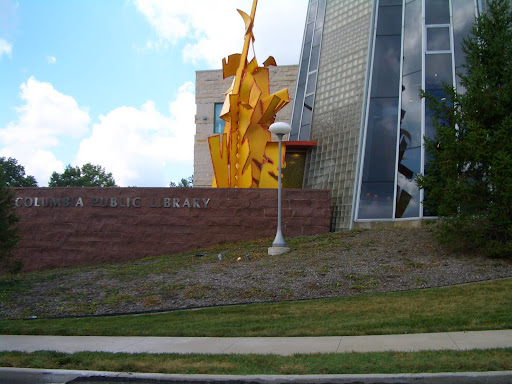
(279, 245)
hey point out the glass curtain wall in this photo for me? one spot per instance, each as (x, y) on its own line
(302, 114)
(416, 46)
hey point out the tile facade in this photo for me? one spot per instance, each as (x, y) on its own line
(339, 105)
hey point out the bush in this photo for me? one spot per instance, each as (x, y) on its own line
(9, 235)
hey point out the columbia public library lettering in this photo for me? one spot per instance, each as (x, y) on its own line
(63, 227)
(110, 202)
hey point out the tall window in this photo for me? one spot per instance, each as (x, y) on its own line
(218, 124)
(407, 199)
(416, 46)
(378, 176)
(306, 83)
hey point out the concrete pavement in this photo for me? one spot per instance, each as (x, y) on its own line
(257, 345)
(261, 345)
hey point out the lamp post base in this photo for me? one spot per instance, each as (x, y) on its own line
(274, 251)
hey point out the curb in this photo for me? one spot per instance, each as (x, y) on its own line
(43, 376)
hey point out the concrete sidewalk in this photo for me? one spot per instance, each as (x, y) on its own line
(261, 345)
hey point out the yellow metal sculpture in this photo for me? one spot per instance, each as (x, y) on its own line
(243, 155)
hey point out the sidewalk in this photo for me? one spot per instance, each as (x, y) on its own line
(261, 345)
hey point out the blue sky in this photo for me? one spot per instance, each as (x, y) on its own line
(112, 82)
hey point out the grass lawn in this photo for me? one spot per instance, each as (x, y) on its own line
(477, 306)
(471, 307)
(346, 363)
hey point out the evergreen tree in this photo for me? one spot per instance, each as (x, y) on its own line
(9, 235)
(468, 180)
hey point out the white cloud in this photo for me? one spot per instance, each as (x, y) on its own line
(44, 120)
(5, 48)
(212, 30)
(142, 146)
(51, 59)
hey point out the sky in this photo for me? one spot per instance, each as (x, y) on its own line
(112, 82)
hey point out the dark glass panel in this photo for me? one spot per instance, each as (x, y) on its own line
(408, 193)
(303, 75)
(429, 124)
(390, 20)
(218, 125)
(311, 83)
(309, 102)
(390, 2)
(438, 70)
(460, 71)
(306, 51)
(297, 111)
(376, 201)
(312, 10)
(380, 153)
(482, 7)
(437, 11)
(386, 67)
(412, 37)
(410, 119)
(315, 55)
(305, 132)
(317, 38)
(320, 14)
(307, 115)
(308, 34)
(463, 19)
(438, 39)
(307, 112)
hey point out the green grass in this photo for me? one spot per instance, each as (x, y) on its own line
(478, 306)
(344, 363)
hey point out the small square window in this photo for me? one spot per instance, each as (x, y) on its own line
(437, 11)
(438, 39)
(218, 125)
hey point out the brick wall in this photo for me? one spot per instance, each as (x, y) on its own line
(72, 226)
(211, 89)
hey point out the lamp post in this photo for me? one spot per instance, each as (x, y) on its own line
(279, 245)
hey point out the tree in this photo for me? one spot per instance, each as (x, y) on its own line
(89, 176)
(12, 174)
(468, 180)
(9, 235)
(184, 183)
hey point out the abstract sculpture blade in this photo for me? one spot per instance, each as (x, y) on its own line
(243, 156)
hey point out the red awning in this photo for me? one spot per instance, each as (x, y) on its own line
(299, 145)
